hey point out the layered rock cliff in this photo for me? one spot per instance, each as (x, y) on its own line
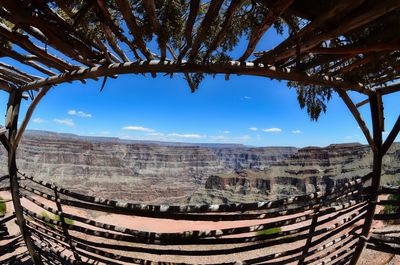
(170, 172)
(306, 170)
(128, 170)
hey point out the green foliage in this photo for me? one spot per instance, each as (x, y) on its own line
(3, 207)
(269, 231)
(55, 217)
(315, 98)
(392, 208)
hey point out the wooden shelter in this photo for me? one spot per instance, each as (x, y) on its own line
(331, 46)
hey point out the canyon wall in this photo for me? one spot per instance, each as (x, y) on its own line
(133, 170)
(196, 173)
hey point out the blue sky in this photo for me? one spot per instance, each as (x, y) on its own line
(249, 110)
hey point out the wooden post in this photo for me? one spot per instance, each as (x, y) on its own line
(12, 125)
(313, 225)
(65, 228)
(376, 177)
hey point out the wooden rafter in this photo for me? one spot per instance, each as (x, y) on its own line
(224, 27)
(26, 60)
(117, 31)
(193, 11)
(208, 19)
(131, 22)
(356, 114)
(52, 34)
(273, 14)
(150, 8)
(357, 50)
(341, 7)
(232, 67)
(24, 42)
(113, 43)
(370, 14)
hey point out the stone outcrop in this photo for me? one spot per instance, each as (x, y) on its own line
(307, 170)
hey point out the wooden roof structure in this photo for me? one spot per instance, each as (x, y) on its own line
(327, 46)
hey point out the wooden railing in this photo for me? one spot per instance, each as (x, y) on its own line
(307, 229)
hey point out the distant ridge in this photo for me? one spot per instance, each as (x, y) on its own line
(49, 134)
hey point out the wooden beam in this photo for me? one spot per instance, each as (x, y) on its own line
(205, 25)
(14, 103)
(27, 61)
(6, 86)
(16, 70)
(381, 113)
(51, 29)
(24, 42)
(126, 10)
(389, 89)
(224, 27)
(150, 8)
(113, 43)
(193, 10)
(359, 49)
(370, 14)
(232, 67)
(341, 7)
(353, 109)
(104, 13)
(391, 137)
(29, 113)
(362, 103)
(273, 14)
(376, 179)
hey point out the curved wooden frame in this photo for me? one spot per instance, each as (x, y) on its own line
(92, 58)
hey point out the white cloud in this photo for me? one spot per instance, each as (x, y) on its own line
(138, 128)
(67, 122)
(296, 131)
(218, 137)
(39, 120)
(247, 97)
(225, 132)
(79, 114)
(253, 129)
(156, 134)
(244, 138)
(188, 135)
(272, 130)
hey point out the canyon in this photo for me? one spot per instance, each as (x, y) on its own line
(160, 172)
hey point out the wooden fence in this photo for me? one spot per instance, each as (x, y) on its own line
(316, 228)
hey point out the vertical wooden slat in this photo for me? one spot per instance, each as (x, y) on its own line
(391, 137)
(64, 227)
(376, 178)
(313, 226)
(13, 107)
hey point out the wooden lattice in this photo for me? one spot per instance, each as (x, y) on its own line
(327, 46)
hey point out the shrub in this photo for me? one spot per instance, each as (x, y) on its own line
(269, 231)
(67, 220)
(57, 218)
(3, 207)
(392, 208)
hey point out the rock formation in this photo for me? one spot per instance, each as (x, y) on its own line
(174, 172)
